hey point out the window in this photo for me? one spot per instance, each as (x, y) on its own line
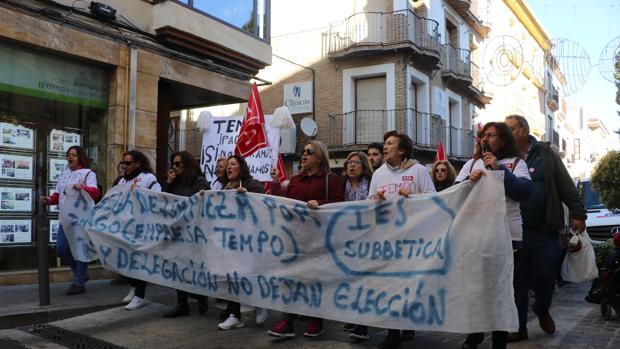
(247, 15)
(370, 107)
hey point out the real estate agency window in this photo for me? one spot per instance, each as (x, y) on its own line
(47, 104)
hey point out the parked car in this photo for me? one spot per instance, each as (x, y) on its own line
(601, 222)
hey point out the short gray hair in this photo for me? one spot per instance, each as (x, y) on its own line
(521, 120)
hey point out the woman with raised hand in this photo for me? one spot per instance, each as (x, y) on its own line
(138, 173)
(443, 174)
(78, 176)
(315, 185)
(400, 175)
(239, 179)
(498, 151)
(185, 179)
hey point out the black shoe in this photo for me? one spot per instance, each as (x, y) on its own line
(75, 289)
(473, 340)
(408, 335)
(179, 310)
(392, 340)
(516, 337)
(349, 327)
(360, 332)
(203, 306)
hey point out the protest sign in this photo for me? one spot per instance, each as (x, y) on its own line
(220, 139)
(436, 262)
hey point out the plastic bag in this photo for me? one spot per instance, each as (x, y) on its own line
(580, 266)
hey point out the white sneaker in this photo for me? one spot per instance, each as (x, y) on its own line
(230, 323)
(136, 303)
(261, 315)
(129, 297)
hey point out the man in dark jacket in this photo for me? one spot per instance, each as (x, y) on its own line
(543, 217)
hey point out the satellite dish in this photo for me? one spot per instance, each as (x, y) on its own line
(308, 127)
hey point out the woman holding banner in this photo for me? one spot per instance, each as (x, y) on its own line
(185, 179)
(399, 175)
(499, 152)
(138, 173)
(78, 176)
(239, 179)
(315, 185)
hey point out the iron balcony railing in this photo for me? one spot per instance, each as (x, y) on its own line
(461, 142)
(383, 29)
(456, 60)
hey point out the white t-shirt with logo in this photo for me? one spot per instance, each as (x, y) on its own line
(513, 209)
(144, 180)
(83, 176)
(416, 178)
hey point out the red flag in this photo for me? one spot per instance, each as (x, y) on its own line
(252, 135)
(441, 155)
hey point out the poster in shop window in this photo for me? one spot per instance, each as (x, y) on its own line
(16, 167)
(57, 167)
(15, 136)
(15, 231)
(54, 226)
(52, 208)
(61, 141)
(15, 199)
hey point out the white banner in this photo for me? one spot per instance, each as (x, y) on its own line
(220, 138)
(437, 262)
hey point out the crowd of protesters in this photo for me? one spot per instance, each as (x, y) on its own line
(536, 184)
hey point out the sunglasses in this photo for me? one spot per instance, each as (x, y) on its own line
(441, 170)
(308, 151)
(126, 163)
(177, 163)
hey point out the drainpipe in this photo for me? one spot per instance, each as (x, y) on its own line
(133, 79)
(313, 81)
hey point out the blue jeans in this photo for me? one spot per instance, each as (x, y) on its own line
(80, 269)
(537, 266)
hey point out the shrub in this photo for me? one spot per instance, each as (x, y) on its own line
(606, 180)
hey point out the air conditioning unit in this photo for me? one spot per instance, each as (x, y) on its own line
(288, 140)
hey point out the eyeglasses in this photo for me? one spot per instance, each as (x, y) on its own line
(177, 163)
(308, 151)
(441, 170)
(353, 162)
(489, 135)
(126, 163)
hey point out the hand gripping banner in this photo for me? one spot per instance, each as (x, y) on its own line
(436, 262)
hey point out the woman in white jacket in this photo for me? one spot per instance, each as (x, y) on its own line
(138, 173)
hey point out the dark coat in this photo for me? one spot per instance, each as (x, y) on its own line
(179, 187)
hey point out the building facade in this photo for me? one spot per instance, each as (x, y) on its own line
(108, 77)
(362, 68)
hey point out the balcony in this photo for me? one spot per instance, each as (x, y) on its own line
(476, 91)
(368, 33)
(471, 12)
(461, 145)
(356, 129)
(456, 66)
(553, 99)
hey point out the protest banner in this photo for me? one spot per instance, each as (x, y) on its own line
(436, 262)
(220, 139)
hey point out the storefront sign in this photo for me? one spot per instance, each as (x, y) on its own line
(61, 140)
(298, 97)
(220, 138)
(45, 76)
(15, 136)
(433, 262)
(56, 168)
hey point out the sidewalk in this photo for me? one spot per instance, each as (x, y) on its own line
(579, 326)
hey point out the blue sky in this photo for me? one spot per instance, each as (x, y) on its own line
(592, 24)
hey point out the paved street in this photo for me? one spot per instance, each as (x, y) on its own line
(579, 326)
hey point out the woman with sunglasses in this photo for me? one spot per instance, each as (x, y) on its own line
(138, 173)
(443, 174)
(185, 179)
(239, 179)
(499, 153)
(315, 185)
(77, 176)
